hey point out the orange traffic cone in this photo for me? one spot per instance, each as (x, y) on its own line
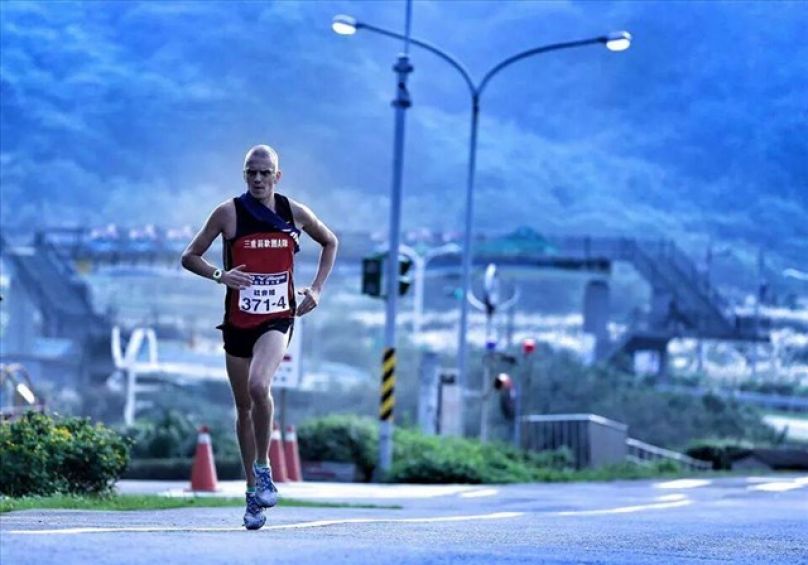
(292, 454)
(203, 473)
(276, 458)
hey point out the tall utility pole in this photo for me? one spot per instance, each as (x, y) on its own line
(387, 400)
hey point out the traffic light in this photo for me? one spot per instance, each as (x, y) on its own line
(404, 281)
(507, 395)
(503, 382)
(373, 275)
(372, 268)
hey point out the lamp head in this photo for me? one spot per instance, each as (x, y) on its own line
(344, 25)
(618, 41)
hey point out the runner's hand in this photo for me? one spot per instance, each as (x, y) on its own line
(309, 303)
(236, 279)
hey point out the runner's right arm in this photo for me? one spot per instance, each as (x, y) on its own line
(193, 260)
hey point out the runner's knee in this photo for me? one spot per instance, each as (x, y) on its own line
(259, 392)
(243, 409)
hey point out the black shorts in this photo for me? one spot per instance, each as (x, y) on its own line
(239, 342)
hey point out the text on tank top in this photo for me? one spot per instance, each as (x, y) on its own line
(267, 254)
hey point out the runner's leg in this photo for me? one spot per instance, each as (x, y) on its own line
(267, 355)
(238, 371)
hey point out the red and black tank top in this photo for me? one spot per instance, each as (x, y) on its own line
(267, 250)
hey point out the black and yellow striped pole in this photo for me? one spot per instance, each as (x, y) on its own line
(388, 400)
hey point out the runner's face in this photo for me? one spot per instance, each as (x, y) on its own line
(261, 174)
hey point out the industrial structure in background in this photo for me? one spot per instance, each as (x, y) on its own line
(52, 328)
(54, 331)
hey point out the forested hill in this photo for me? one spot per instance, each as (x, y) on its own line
(141, 112)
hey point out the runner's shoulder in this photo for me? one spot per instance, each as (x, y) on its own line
(301, 213)
(226, 209)
(223, 215)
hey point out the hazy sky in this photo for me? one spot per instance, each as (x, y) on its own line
(141, 112)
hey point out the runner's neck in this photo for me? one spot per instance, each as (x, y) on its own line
(268, 201)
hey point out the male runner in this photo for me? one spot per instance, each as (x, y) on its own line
(260, 232)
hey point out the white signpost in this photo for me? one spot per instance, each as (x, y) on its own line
(288, 373)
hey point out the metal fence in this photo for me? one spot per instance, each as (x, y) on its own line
(595, 441)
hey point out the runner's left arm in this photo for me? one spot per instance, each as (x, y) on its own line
(319, 232)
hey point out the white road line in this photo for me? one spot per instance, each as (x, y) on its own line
(671, 497)
(683, 483)
(298, 525)
(777, 486)
(479, 493)
(627, 509)
(758, 479)
(494, 516)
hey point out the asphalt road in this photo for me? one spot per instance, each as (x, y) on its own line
(736, 520)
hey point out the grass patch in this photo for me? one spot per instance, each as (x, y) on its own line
(152, 502)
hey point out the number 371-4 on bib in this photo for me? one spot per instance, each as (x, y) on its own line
(267, 294)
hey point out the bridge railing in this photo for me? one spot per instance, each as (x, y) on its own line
(685, 266)
(641, 452)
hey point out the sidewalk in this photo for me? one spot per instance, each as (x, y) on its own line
(316, 491)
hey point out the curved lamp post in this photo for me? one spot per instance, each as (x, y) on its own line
(346, 25)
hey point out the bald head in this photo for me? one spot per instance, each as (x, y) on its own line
(261, 171)
(262, 152)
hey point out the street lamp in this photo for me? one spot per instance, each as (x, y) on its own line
(618, 41)
(344, 25)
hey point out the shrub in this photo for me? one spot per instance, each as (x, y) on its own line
(179, 469)
(340, 437)
(423, 459)
(172, 434)
(430, 459)
(41, 455)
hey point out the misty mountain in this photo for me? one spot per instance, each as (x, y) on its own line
(136, 113)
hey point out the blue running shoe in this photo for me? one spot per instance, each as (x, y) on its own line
(254, 515)
(266, 493)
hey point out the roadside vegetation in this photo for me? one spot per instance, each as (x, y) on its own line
(42, 455)
(429, 459)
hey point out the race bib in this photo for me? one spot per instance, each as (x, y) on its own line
(268, 294)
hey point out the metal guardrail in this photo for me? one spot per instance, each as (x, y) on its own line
(641, 452)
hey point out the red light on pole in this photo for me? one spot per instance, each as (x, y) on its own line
(528, 346)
